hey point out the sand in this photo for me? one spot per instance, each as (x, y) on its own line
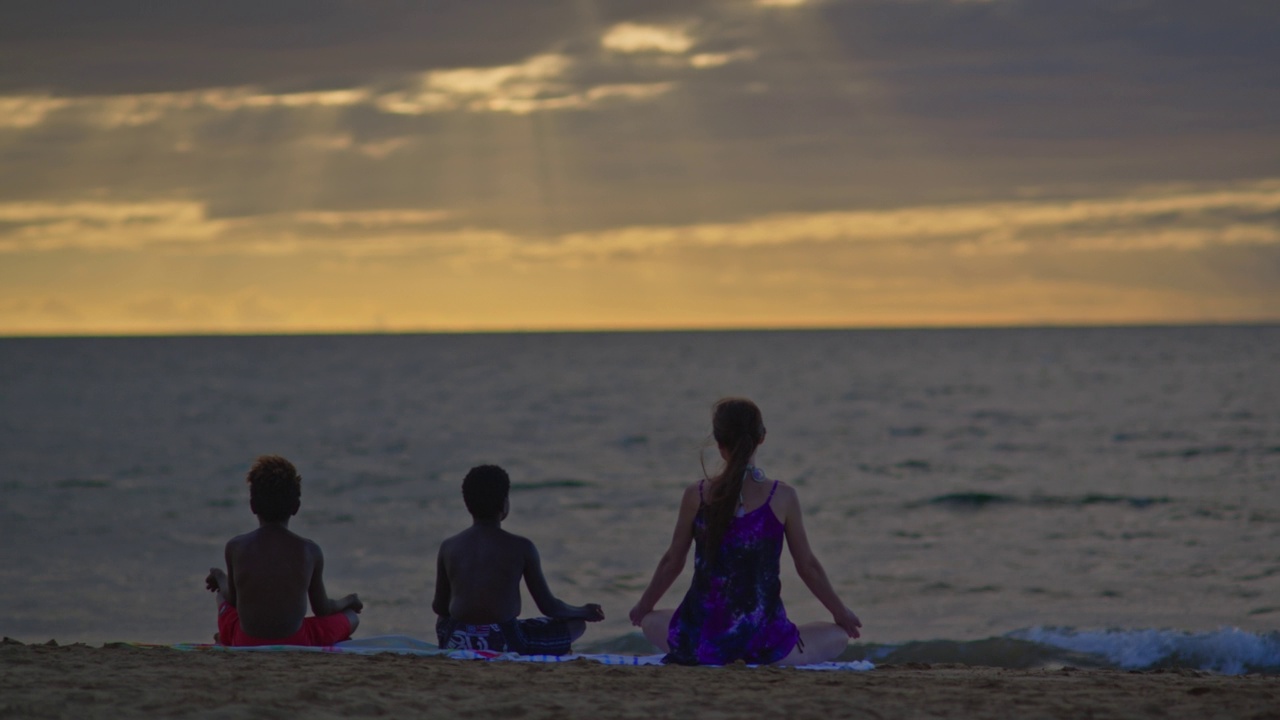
(79, 681)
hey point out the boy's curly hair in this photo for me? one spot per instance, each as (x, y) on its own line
(275, 488)
(485, 490)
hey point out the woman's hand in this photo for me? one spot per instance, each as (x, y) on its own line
(638, 614)
(848, 621)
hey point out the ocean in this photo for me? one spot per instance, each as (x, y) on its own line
(1011, 497)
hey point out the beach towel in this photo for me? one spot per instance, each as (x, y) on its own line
(405, 645)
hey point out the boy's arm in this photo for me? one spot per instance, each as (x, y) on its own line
(549, 604)
(444, 593)
(321, 604)
(225, 583)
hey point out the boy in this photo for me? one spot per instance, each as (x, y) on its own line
(271, 573)
(478, 574)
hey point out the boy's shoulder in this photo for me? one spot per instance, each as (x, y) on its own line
(260, 536)
(487, 535)
(242, 539)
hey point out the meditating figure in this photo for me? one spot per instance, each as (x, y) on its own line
(739, 520)
(272, 573)
(478, 573)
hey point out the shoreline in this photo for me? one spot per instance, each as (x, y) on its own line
(79, 681)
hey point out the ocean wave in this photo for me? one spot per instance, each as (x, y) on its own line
(1230, 651)
(978, 500)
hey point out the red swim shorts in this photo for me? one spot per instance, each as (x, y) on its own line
(315, 631)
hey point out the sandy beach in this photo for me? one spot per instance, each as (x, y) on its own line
(79, 681)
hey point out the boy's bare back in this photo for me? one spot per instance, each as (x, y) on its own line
(273, 574)
(478, 571)
(482, 567)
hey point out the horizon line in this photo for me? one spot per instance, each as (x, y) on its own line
(640, 330)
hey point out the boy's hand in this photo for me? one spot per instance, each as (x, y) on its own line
(216, 580)
(352, 602)
(594, 613)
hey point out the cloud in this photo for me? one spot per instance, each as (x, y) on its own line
(24, 111)
(41, 309)
(36, 212)
(655, 43)
(1169, 220)
(539, 83)
(115, 111)
(46, 226)
(381, 149)
(631, 37)
(712, 60)
(1241, 234)
(185, 227)
(127, 47)
(480, 88)
(369, 218)
(1184, 220)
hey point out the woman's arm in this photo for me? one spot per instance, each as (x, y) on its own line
(672, 562)
(810, 569)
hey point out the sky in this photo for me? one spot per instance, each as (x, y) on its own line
(248, 166)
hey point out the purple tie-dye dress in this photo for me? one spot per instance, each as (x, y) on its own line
(733, 610)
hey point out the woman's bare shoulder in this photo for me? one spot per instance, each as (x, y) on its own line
(784, 488)
(785, 494)
(693, 491)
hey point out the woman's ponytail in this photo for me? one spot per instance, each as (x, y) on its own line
(738, 426)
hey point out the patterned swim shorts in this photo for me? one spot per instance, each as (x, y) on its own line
(532, 636)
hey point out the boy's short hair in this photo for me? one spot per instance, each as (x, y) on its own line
(275, 488)
(485, 490)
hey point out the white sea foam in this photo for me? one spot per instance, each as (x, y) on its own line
(1229, 650)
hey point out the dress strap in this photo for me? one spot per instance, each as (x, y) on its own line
(772, 490)
(700, 500)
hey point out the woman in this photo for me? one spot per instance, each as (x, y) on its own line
(733, 610)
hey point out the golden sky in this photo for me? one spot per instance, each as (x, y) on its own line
(590, 165)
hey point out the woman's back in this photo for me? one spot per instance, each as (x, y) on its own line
(733, 610)
(739, 521)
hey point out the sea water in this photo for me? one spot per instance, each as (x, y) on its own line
(1015, 497)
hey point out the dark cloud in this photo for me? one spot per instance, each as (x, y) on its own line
(1080, 69)
(861, 103)
(130, 46)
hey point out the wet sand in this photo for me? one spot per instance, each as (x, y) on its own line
(78, 681)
